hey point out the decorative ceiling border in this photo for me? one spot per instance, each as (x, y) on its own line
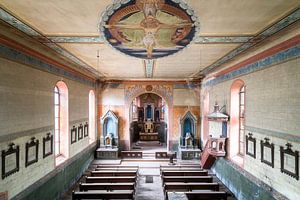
(198, 39)
(276, 27)
(284, 54)
(149, 67)
(21, 26)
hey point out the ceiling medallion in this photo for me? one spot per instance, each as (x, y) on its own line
(149, 29)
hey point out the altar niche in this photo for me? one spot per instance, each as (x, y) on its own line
(109, 140)
(147, 114)
(188, 148)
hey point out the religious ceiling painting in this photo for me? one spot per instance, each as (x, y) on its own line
(149, 29)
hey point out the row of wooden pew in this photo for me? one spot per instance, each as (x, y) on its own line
(195, 182)
(108, 182)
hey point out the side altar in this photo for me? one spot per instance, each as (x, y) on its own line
(109, 140)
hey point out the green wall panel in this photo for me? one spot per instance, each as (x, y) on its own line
(241, 186)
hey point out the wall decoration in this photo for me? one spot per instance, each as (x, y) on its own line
(250, 145)
(10, 160)
(149, 29)
(32, 152)
(73, 135)
(289, 161)
(267, 152)
(47, 145)
(86, 129)
(80, 132)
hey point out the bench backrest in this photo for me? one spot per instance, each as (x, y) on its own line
(115, 169)
(113, 173)
(188, 179)
(118, 166)
(191, 186)
(106, 186)
(184, 173)
(103, 195)
(114, 179)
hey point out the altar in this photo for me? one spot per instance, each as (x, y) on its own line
(149, 137)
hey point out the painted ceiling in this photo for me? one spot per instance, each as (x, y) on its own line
(209, 33)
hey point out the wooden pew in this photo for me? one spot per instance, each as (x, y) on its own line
(113, 173)
(118, 166)
(106, 186)
(206, 195)
(181, 166)
(115, 169)
(187, 179)
(181, 169)
(111, 179)
(122, 194)
(190, 186)
(184, 173)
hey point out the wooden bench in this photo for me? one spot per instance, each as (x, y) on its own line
(190, 186)
(207, 195)
(187, 179)
(115, 169)
(122, 194)
(118, 166)
(181, 169)
(132, 154)
(181, 166)
(106, 186)
(113, 173)
(111, 179)
(184, 173)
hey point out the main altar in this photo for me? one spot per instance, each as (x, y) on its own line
(149, 134)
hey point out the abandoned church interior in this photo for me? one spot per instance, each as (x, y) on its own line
(150, 99)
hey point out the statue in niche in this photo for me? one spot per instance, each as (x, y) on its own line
(189, 140)
(188, 149)
(110, 128)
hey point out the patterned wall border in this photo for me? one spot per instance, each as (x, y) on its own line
(276, 134)
(98, 39)
(281, 24)
(277, 58)
(18, 24)
(20, 57)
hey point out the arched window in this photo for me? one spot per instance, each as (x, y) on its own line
(92, 125)
(56, 121)
(237, 121)
(61, 122)
(241, 120)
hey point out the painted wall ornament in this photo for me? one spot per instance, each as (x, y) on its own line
(149, 29)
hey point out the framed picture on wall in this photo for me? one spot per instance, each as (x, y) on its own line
(250, 145)
(32, 152)
(86, 129)
(73, 135)
(10, 160)
(80, 132)
(289, 161)
(267, 152)
(47, 145)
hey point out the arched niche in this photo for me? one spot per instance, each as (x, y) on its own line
(110, 130)
(188, 125)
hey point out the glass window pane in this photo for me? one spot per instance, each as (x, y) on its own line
(56, 111)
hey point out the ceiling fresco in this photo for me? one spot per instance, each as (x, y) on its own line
(149, 29)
